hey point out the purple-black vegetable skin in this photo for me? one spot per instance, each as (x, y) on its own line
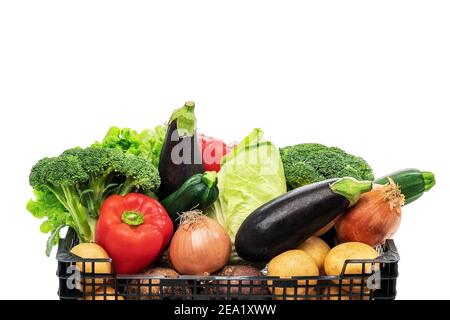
(181, 155)
(285, 222)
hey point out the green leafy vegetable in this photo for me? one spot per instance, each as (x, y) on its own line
(46, 205)
(71, 188)
(311, 162)
(251, 175)
(147, 143)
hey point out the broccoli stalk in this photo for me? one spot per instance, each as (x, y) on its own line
(62, 176)
(80, 180)
(84, 222)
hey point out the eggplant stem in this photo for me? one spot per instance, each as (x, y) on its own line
(351, 189)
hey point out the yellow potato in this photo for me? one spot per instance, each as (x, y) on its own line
(105, 294)
(291, 264)
(335, 259)
(312, 293)
(334, 295)
(317, 249)
(356, 289)
(92, 251)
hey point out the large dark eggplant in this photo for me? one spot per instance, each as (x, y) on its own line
(285, 222)
(181, 156)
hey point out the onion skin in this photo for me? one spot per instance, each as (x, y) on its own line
(200, 246)
(375, 218)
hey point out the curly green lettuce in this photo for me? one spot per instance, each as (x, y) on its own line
(147, 143)
(46, 205)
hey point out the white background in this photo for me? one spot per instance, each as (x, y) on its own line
(372, 77)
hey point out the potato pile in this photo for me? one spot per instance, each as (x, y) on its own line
(313, 258)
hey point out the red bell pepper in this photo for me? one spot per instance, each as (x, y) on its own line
(212, 152)
(134, 230)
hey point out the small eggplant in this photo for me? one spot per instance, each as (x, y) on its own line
(181, 156)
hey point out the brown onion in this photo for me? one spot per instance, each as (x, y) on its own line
(375, 218)
(200, 246)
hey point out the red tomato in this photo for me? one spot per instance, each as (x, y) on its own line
(204, 140)
(212, 152)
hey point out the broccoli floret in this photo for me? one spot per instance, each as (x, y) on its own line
(113, 172)
(63, 176)
(312, 162)
(93, 160)
(61, 171)
(139, 174)
(81, 179)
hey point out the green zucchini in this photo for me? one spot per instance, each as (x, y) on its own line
(198, 192)
(412, 182)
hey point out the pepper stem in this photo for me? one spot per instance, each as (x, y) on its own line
(351, 189)
(132, 218)
(210, 179)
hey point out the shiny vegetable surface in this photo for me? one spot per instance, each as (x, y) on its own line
(134, 230)
(198, 192)
(375, 218)
(413, 183)
(285, 222)
(200, 245)
(181, 156)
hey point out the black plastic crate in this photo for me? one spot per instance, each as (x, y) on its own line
(380, 283)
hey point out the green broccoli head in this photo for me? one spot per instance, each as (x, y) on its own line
(66, 171)
(38, 173)
(94, 160)
(312, 162)
(108, 165)
(141, 175)
(60, 171)
(65, 177)
(111, 171)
